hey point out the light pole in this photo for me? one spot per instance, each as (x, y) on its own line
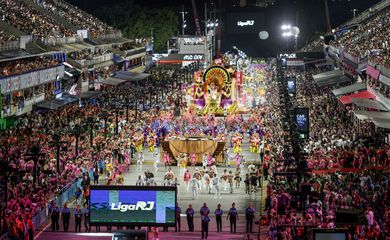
(35, 154)
(77, 131)
(354, 12)
(291, 31)
(56, 142)
(105, 115)
(91, 122)
(183, 21)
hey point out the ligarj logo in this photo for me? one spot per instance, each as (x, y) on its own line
(140, 205)
(246, 23)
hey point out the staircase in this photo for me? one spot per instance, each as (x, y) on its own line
(165, 148)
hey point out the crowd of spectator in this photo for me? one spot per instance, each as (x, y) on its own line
(346, 171)
(31, 21)
(6, 37)
(141, 42)
(76, 16)
(313, 46)
(369, 38)
(21, 66)
(88, 53)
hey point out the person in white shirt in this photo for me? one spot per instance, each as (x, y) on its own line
(156, 160)
(140, 161)
(195, 188)
(139, 182)
(216, 187)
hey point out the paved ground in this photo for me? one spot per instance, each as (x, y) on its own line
(239, 197)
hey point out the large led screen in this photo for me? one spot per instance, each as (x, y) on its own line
(301, 116)
(132, 205)
(245, 23)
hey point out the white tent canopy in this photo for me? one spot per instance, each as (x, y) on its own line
(368, 103)
(349, 89)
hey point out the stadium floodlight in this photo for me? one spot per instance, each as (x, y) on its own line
(286, 27)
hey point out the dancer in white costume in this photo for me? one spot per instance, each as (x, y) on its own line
(195, 188)
(216, 187)
(140, 161)
(156, 160)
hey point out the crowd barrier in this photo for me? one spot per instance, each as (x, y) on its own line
(67, 193)
(9, 46)
(4, 236)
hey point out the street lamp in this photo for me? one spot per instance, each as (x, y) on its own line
(290, 31)
(105, 115)
(77, 131)
(56, 142)
(35, 153)
(91, 123)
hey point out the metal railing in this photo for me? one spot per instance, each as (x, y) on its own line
(54, 41)
(31, 79)
(95, 60)
(385, 70)
(368, 13)
(115, 35)
(12, 45)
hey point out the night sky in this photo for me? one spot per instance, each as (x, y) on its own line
(311, 13)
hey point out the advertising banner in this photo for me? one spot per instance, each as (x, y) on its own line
(301, 118)
(132, 205)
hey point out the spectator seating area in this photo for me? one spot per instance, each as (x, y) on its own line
(21, 66)
(370, 38)
(31, 21)
(76, 17)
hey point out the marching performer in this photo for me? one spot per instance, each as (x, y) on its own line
(151, 141)
(167, 161)
(187, 178)
(156, 160)
(140, 161)
(193, 159)
(254, 143)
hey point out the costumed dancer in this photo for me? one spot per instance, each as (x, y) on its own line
(167, 161)
(152, 142)
(210, 160)
(254, 143)
(237, 143)
(205, 160)
(140, 161)
(187, 178)
(193, 159)
(156, 160)
(183, 163)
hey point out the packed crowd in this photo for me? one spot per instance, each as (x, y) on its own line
(31, 21)
(132, 44)
(357, 181)
(76, 16)
(312, 46)
(88, 53)
(369, 38)
(21, 66)
(6, 37)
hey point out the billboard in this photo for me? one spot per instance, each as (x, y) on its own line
(291, 85)
(245, 22)
(301, 118)
(132, 205)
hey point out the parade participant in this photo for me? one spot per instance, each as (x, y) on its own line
(187, 178)
(194, 183)
(140, 161)
(226, 157)
(216, 187)
(233, 217)
(190, 218)
(156, 160)
(177, 214)
(86, 218)
(120, 179)
(230, 177)
(254, 142)
(77, 217)
(249, 216)
(204, 160)
(197, 176)
(140, 181)
(193, 159)
(54, 215)
(225, 180)
(65, 213)
(151, 141)
(218, 217)
(204, 213)
(169, 176)
(237, 179)
(182, 163)
(167, 161)
(206, 181)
